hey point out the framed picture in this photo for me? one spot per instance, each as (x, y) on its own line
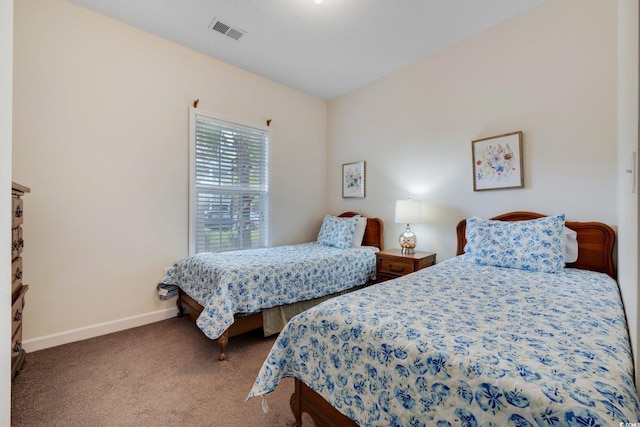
(353, 179)
(497, 162)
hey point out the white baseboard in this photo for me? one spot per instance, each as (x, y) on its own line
(92, 331)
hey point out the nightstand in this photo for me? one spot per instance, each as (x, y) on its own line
(393, 263)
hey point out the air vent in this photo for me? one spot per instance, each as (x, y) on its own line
(234, 34)
(227, 30)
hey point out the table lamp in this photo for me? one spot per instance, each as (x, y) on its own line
(408, 212)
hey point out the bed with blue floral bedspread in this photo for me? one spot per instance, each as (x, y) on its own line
(228, 286)
(464, 344)
(246, 281)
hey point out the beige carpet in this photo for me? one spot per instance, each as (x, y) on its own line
(163, 374)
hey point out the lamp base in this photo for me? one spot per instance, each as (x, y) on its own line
(408, 241)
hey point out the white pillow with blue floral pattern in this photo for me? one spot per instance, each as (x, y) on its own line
(338, 232)
(534, 245)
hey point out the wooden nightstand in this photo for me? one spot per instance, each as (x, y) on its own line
(393, 263)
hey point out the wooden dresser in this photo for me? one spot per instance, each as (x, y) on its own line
(18, 289)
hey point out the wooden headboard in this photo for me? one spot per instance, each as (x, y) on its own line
(373, 234)
(595, 241)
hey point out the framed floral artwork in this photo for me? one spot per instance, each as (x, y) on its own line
(497, 162)
(353, 179)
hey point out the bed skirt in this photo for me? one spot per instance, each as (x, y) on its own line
(275, 318)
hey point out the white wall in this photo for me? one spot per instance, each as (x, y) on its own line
(628, 144)
(6, 61)
(550, 73)
(101, 137)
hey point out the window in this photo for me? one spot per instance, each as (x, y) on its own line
(228, 184)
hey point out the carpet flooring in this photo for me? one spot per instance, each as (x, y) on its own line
(163, 374)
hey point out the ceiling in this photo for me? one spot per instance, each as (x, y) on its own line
(324, 50)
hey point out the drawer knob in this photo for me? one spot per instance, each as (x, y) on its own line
(18, 316)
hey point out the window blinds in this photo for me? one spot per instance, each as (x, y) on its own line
(229, 185)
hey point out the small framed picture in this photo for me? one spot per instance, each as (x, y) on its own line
(497, 162)
(353, 177)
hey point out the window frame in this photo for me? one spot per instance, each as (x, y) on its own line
(194, 115)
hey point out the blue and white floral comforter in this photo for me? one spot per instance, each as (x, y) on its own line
(459, 344)
(246, 281)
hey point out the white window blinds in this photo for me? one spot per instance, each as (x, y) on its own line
(229, 184)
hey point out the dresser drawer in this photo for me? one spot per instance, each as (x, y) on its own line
(17, 243)
(16, 341)
(396, 266)
(18, 212)
(392, 263)
(16, 310)
(16, 276)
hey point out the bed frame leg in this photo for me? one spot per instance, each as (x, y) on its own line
(180, 308)
(294, 403)
(222, 344)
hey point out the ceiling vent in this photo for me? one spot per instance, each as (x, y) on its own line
(227, 30)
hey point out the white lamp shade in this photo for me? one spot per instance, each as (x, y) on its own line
(409, 211)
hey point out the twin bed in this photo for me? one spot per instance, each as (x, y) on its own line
(504, 334)
(230, 293)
